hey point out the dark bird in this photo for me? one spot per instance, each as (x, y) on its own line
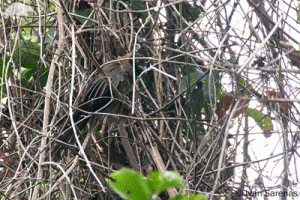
(99, 97)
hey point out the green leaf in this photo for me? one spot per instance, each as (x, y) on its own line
(27, 30)
(190, 12)
(97, 132)
(140, 5)
(194, 12)
(198, 103)
(197, 96)
(211, 86)
(3, 71)
(26, 46)
(188, 63)
(85, 13)
(264, 121)
(232, 60)
(26, 76)
(159, 182)
(192, 197)
(130, 184)
(1, 68)
(220, 95)
(175, 53)
(194, 77)
(49, 36)
(28, 55)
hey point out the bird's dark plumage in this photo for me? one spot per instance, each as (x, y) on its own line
(99, 97)
(99, 93)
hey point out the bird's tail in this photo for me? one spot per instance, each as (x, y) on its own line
(65, 138)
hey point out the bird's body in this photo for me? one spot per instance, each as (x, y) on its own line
(100, 98)
(99, 94)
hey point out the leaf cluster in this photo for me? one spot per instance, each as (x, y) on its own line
(131, 185)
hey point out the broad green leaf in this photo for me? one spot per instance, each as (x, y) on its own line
(97, 132)
(28, 56)
(27, 48)
(220, 95)
(159, 182)
(232, 60)
(27, 30)
(5, 67)
(264, 121)
(194, 77)
(197, 96)
(194, 12)
(189, 12)
(188, 63)
(175, 53)
(130, 184)
(211, 86)
(85, 13)
(139, 5)
(198, 103)
(27, 75)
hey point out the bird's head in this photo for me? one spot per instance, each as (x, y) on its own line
(140, 63)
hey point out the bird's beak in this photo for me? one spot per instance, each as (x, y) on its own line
(143, 68)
